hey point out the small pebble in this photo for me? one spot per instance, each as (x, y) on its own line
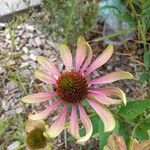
(33, 57)
(25, 50)
(19, 110)
(13, 146)
(25, 57)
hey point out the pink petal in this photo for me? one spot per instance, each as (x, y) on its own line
(111, 77)
(45, 77)
(48, 65)
(115, 143)
(121, 143)
(45, 113)
(38, 97)
(89, 58)
(58, 126)
(74, 126)
(110, 92)
(81, 52)
(102, 59)
(134, 145)
(66, 56)
(86, 123)
(104, 114)
(145, 144)
(103, 99)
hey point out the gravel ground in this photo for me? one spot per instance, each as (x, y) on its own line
(18, 64)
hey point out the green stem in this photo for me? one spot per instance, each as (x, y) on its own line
(70, 21)
(112, 35)
(133, 10)
(21, 147)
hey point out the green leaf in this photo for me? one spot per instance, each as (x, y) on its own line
(145, 76)
(103, 136)
(141, 130)
(147, 59)
(18, 136)
(95, 122)
(126, 17)
(133, 109)
(4, 126)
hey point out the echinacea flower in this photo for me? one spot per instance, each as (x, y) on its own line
(73, 85)
(118, 143)
(35, 138)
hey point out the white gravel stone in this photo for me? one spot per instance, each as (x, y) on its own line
(25, 57)
(11, 85)
(33, 65)
(38, 41)
(13, 146)
(29, 27)
(2, 26)
(33, 57)
(24, 64)
(19, 110)
(25, 50)
(36, 51)
(7, 36)
(32, 43)
(5, 106)
(20, 33)
(2, 70)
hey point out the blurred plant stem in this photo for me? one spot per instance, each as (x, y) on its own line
(113, 35)
(140, 19)
(72, 12)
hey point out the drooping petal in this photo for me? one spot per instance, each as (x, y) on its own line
(45, 77)
(103, 99)
(102, 59)
(66, 56)
(48, 65)
(74, 126)
(86, 123)
(134, 145)
(121, 143)
(32, 124)
(58, 126)
(115, 143)
(104, 114)
(45, 113)
(111, 77)
(145, 144)
(110, 92)
(89, 58)
(81, 52)
(38, 97)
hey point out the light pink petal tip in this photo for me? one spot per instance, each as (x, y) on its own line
(74, 126)
(87, 125)
(45, 77)
(45, 113)
(48, 65)
(111, 77)
(88, 59)
(104, 114)
(81, 52)
(66, 56)
(102, 59)
(38, 97)
(110, 92)
(58, 126)
(103, 99)
(121, 143)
